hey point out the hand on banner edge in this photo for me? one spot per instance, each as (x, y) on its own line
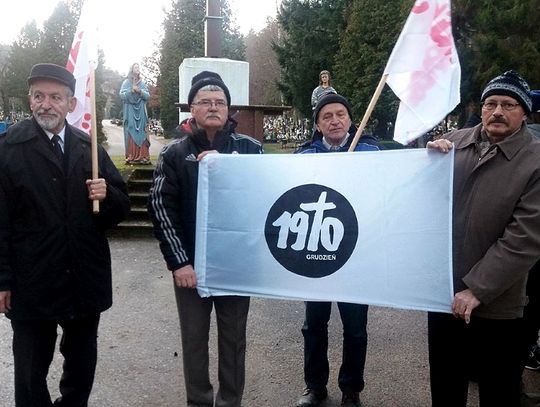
(442, 145)
(464, 303)
(185, 277)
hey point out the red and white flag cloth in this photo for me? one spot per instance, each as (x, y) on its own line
(83, 58)
(423, 70)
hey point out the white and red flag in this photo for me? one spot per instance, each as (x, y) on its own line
(423, 70)
(82, 61)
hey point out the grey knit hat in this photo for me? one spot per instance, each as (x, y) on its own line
(510, 84)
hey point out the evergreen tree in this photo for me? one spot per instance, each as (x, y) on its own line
(372, 31)
(232, 44)
(50, 45)
(25, 52)
(310, 40)
(58, 32)
(184, 38)
(490, 37)
(264, 69)
(493, 38)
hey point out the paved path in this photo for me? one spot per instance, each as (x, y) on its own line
(115, 140)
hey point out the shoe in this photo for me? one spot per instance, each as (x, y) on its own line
(351, 399)
(533, 360)
(312, 397)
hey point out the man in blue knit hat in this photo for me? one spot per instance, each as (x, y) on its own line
(496, 241)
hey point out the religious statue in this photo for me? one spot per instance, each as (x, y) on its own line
(323, 88)
(134, 95)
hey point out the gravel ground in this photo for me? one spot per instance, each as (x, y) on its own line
(140, 355)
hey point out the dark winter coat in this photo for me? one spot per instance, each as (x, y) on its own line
(316, 145)
(54, 256)
(173, 197)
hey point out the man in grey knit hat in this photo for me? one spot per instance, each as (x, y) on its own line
(496, 240)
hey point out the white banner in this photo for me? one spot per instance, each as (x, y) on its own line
(423, 70)
(82, 59)
(370, 227)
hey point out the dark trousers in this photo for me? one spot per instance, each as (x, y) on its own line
(315, 331)
(531, 313)
(33, 350)
(492, 348)
(231, 318)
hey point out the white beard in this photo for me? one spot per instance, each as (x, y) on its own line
(48, 123)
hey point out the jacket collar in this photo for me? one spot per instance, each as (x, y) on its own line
(510, 146)
(76, 141)
(26, 133)
(189, 128)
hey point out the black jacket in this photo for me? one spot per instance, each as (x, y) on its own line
(54, 256)
(173, 196)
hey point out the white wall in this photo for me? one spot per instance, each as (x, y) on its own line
(235, 75)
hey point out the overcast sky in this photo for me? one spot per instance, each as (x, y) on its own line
(128, 29)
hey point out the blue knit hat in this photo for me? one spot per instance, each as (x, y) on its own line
(510, 84)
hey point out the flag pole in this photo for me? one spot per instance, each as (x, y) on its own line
(93, 134)
(369, 110)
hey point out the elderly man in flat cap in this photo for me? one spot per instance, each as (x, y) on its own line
(496, 241)
(172, 205)
(55, 266)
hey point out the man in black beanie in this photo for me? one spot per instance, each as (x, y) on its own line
(334, 132)
(172, 206)
(496, 241)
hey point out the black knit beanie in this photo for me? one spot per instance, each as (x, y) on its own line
(330, 98)
(207, 78)
(510, 84)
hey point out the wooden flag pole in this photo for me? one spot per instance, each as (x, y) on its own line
(369, 110)
(93, 134)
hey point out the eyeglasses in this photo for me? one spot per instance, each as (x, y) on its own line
(207, 103)
(505, 106)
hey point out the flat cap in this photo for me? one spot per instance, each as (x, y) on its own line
(52, 72)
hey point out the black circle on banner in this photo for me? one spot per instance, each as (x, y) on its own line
(311, 230)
